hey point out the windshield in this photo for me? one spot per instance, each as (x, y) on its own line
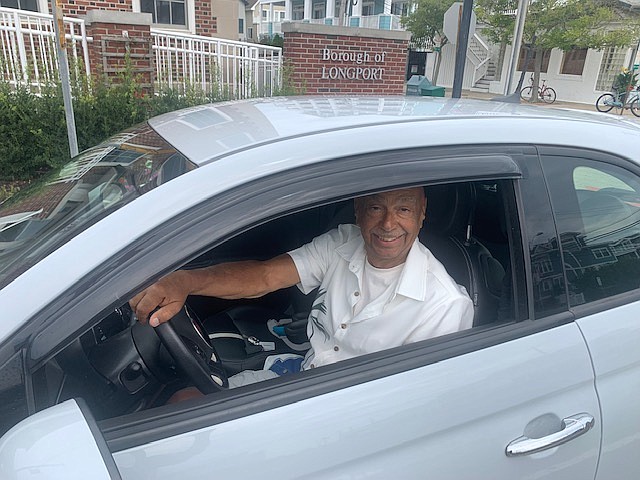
(100, 180)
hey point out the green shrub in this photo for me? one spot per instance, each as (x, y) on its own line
(625, 80)
(33, 132)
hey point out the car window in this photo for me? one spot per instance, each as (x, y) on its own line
(597, 209)
(466, 221)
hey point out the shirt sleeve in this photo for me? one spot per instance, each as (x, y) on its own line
(313, 259)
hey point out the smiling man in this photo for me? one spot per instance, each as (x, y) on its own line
(379, 287)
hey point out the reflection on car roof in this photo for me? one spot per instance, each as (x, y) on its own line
(209, 131)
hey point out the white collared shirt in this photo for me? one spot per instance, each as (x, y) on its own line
(426, 302)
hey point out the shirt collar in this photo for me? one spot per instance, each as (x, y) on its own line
(413, 279)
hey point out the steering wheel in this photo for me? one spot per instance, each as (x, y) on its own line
(186, 340)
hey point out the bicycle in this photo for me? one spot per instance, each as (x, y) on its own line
(545, 92)
(620, 100)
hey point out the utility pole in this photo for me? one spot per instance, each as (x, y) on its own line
(63, 69)
(461, 47)
(523, 6)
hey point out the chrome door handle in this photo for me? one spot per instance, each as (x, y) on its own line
(572, 427)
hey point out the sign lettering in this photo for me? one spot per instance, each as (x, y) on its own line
(358, 58)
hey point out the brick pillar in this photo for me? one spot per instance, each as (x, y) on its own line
(118, 38)
(333, 60)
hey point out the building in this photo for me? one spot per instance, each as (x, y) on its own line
(214, 18)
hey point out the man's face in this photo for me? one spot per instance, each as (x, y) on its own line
(390, 222)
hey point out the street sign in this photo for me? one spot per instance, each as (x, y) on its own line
(451, 22)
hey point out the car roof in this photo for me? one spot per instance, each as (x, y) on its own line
(209, 132)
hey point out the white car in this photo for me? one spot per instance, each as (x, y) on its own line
(536, 212)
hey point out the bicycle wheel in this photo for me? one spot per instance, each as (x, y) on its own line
(634, 106)
(605, 102)
(548, 95)
(525, 93)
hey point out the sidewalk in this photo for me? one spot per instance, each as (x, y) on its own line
(556, 104)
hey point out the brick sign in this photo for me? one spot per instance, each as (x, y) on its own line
(326, 59)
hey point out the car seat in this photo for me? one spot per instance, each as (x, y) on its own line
(448, 233)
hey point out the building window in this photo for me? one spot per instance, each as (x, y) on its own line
(31, 5)
(264, 14)
(319, 10)
(368, 8)
(281, 15)
(400, 8)
(601, 253)
(546, 54)
(612, 62)
(241, 26)
(573, 62)
(298, 12)
(170, 12)
(545, 266)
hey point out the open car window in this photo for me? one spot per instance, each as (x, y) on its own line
(119, 366)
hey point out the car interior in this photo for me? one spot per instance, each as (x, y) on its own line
(121, 366)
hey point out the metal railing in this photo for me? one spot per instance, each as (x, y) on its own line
(478, 53)
(233, 69)
(228, 68)
(28, 52)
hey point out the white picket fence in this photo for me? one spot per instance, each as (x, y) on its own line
(228, 68)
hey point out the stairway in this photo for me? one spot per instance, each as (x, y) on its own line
(482, 85)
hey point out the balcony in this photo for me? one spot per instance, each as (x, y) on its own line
(378, 22)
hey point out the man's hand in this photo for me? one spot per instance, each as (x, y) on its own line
(162, 300)
(230, 281)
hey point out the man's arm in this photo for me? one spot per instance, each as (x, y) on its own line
(248, 279)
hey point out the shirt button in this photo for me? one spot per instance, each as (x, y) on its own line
(343, 326)
(356, 294)
(312, 366)
(336, 348)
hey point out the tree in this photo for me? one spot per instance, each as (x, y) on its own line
(563, 24)
(425, 25)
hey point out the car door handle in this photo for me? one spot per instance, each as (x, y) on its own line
(572, 427)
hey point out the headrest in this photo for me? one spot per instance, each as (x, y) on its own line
(450, 208)
(605, 211)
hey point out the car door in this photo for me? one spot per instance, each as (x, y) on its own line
(597, 200)
(498, 401)
(503, 400)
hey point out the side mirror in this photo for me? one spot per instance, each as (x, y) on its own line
(61, 442)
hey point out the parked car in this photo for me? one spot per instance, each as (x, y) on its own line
(528, 208)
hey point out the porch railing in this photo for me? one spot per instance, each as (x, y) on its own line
(28, 53)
